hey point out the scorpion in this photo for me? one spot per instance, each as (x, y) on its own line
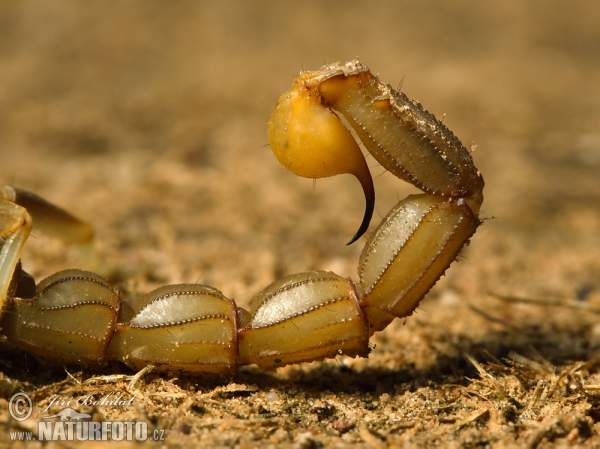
(75, 316)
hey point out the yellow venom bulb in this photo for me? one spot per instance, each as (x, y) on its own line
(311, 141)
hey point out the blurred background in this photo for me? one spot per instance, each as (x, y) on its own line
(149, 120)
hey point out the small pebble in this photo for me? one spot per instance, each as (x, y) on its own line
(272, 397)
(341, 425)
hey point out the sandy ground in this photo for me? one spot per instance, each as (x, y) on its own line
(149, 121)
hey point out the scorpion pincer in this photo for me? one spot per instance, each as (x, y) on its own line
(76, 316)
